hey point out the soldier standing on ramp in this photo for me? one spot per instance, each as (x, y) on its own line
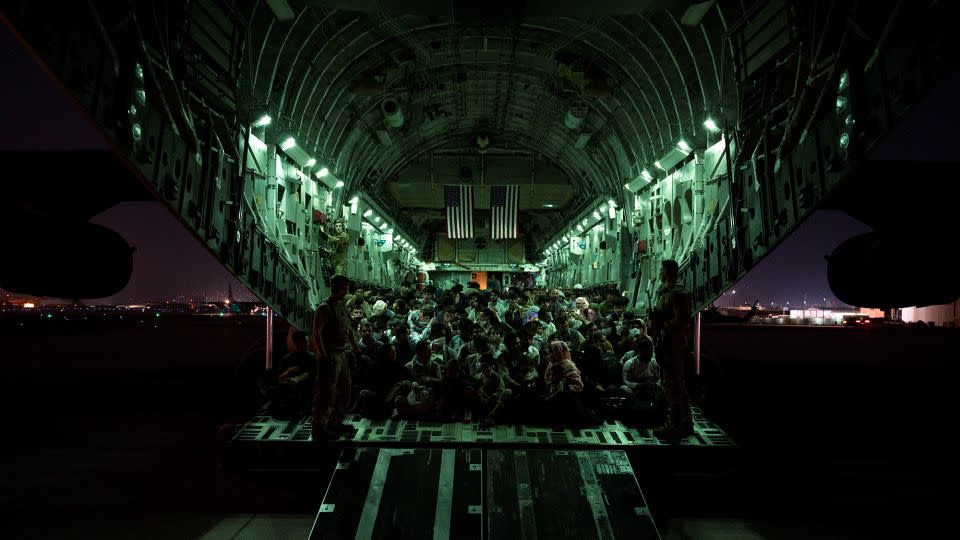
(671, 326)
(331, 335)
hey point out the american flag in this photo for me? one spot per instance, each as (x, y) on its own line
(458, 201)
(503, 210)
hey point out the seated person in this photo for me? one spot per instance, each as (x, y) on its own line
(470, 353)
(640, 370)
(422, 369)
(291, 391)
(562, 405)
(455, 391)
(413, 400)
(491, 395)
(646, 405)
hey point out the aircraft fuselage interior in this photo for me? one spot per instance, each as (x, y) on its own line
(628, 133)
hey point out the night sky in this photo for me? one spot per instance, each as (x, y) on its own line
(170, 263)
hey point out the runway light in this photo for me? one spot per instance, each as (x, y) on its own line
(262, 121)
(367, 213)
(711, 125)
(338, 184)
(683, 146)
(288, 143)
(323, 172)
(311, 162)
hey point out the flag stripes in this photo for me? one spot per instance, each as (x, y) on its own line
(504, 211)
(458, 201)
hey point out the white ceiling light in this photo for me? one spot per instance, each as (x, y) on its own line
(288, 143)
(612, 203)
(683, 146)
(376, 219)
(339, 183)
(711, 125)
(262, 121)
(311, 162)
(354, 200)
(367, 213)
(596, 215)
(323, 172)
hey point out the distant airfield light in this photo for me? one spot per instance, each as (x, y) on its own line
(288, 143)
(311, 162)
(339, 183)
(262, 121)
(711, 125)
(323, 172)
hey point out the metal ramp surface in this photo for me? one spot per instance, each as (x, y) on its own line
(264, 429)
(475, 493)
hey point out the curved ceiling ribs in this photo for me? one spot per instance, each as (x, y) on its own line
(645, 80)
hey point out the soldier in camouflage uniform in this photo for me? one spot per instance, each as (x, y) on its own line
(331, 335)
(671, 325)
(339, 243)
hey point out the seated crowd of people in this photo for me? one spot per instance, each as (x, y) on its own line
(530, 356)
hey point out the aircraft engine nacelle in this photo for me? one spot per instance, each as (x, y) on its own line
(65, 260)
(884, 270)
